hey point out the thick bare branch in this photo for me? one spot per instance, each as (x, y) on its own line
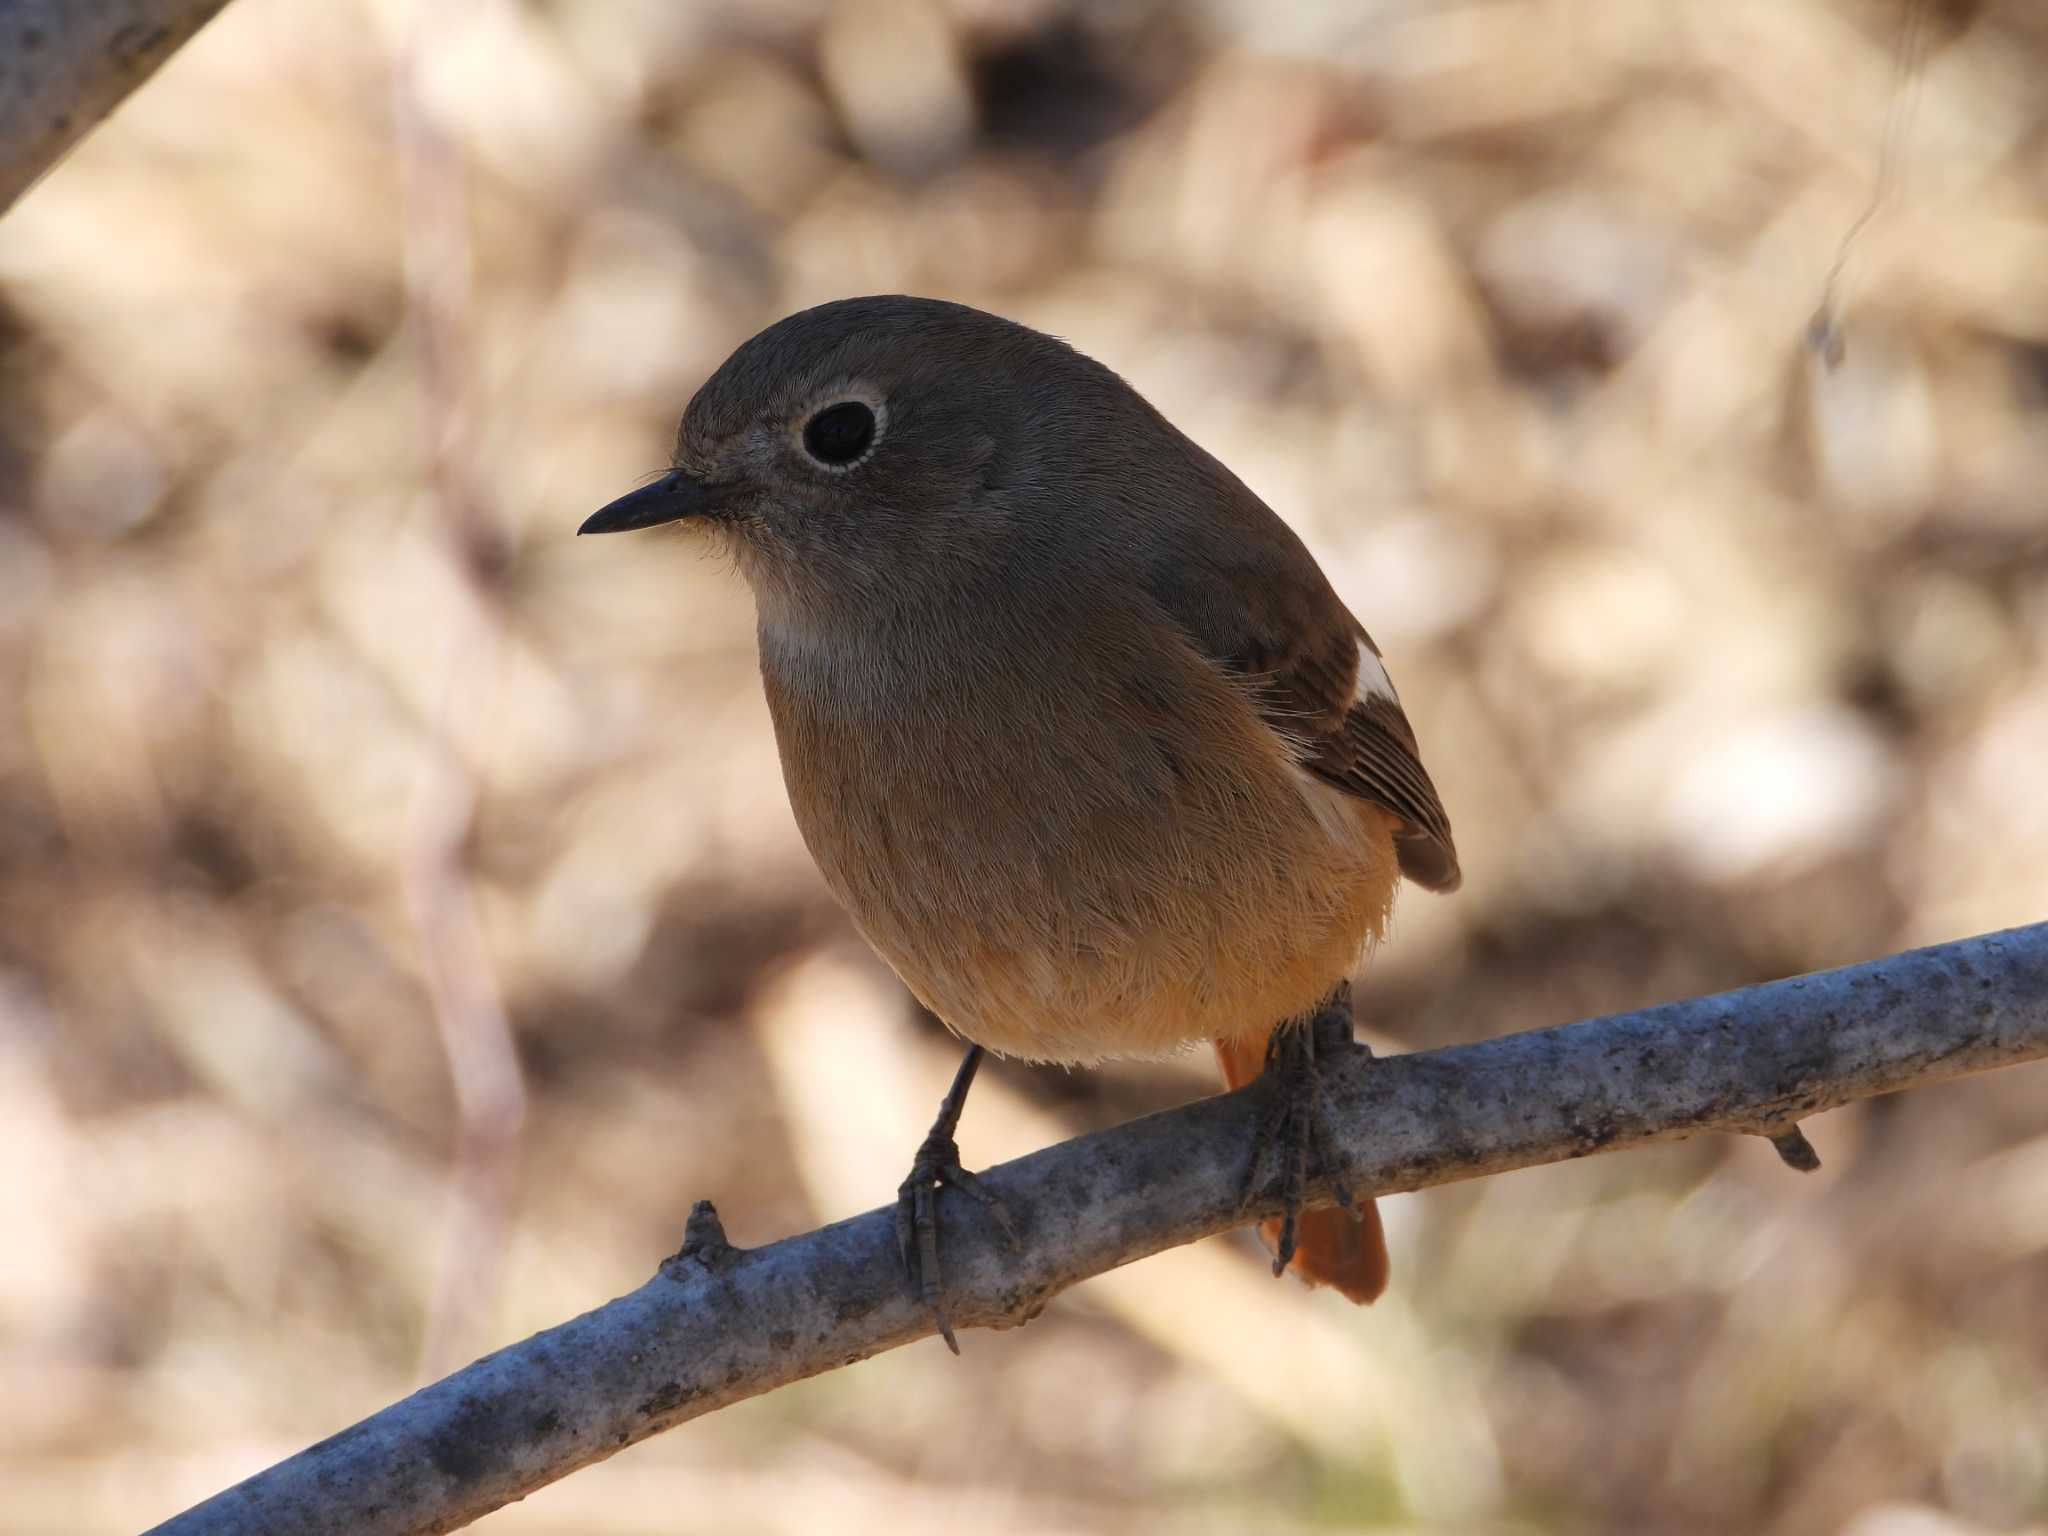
(718, 1324)
(64, 66)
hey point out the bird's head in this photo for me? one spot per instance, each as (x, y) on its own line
(870, 444)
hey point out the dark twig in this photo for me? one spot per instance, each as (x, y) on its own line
(64, 66)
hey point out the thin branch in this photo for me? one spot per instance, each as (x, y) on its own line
(64, 66)
(718, 1324)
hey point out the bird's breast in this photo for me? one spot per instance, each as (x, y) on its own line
(1088, 846)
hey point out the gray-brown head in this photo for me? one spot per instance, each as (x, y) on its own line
(854, 448)
(910, 469)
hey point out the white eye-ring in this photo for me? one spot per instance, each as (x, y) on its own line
(840, 434)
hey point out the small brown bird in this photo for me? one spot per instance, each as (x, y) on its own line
(1071, 721)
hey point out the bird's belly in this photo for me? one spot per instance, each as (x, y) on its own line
(1162, 896)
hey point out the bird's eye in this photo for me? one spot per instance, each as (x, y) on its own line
(840, 433)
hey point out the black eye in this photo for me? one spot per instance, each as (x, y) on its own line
(840, 433)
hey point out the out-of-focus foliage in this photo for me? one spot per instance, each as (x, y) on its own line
(336, 777)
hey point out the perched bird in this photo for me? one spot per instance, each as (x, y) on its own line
(1072, 723)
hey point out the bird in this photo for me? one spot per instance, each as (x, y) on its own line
(1072, 723)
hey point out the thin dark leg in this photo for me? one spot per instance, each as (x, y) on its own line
(937, 1167)
(1291, 1126)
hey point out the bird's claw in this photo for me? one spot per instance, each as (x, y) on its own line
(1292, 1125)
(938, 1167)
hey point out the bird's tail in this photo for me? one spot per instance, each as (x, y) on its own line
(1332, 1246)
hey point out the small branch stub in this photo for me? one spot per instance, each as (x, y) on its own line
(1795, 1150)
(704, 1238)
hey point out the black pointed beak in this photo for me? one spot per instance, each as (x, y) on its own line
(670, 499)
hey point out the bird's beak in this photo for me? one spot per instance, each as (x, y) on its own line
(670, 499)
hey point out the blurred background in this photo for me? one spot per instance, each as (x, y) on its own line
(401, 921)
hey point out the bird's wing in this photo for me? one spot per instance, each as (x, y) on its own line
(1329, 695)
(1253, 600)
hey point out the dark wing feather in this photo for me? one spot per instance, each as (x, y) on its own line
(1380, 760)
(1249, 595)
(1358, 740)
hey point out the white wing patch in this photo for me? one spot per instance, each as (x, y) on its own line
(1372, 678)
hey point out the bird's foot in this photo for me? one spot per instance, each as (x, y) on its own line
(1292, 1127)
(937, 1167)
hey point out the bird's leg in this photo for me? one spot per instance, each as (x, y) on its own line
(1291, 1126)
(917, 1198)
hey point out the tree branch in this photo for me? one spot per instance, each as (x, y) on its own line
(718, 1324)
(64, 66)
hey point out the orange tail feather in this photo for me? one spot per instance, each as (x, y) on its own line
(1330, 1247)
